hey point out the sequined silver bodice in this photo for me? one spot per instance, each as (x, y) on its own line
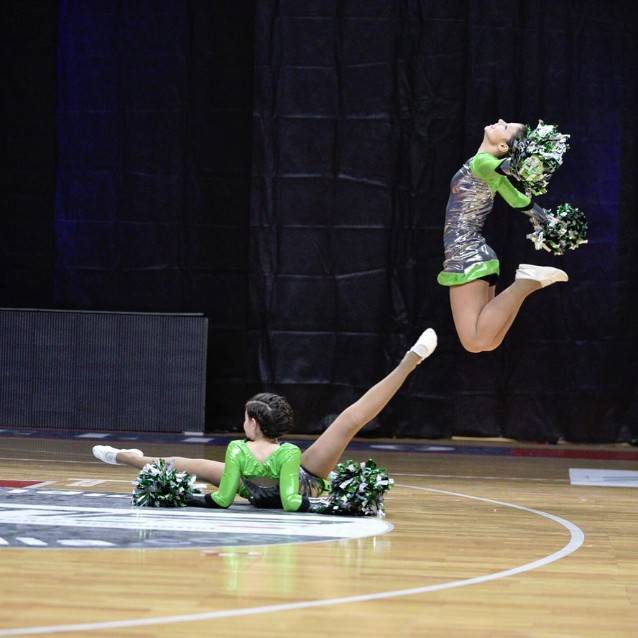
(470, 202)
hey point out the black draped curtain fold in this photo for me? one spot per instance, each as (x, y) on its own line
(363, 112)
(29, 41)
(154, 118)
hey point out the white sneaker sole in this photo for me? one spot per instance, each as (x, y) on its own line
(544, 275)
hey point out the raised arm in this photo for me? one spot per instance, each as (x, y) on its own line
(494, 171)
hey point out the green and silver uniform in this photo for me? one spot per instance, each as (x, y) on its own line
(279, 481)
(472, 192)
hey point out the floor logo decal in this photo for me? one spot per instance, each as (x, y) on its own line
(34, 518)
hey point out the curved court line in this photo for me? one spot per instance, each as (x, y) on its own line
(524, 479)
(577, 538)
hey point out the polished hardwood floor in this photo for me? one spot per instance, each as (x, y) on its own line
(484, 545)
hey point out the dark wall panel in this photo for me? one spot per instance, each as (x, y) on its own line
(102, 371)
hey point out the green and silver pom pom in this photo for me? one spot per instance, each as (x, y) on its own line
(565, 229)
(536, 157)
(159, 485)
(358, 489)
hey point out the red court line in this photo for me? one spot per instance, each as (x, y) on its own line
(4, 483)
(604, 455)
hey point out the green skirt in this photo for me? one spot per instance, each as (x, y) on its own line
(475, 271)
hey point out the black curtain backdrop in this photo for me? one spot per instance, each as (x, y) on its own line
(28, 31)
(154, 127)
(363, 112)
(284, 168)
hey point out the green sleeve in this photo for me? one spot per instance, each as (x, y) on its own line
(484, 167)
(229, 484)
(289, 480)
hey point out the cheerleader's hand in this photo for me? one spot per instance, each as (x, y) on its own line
(316, 505)
(201, 500)
(563, 229)
(537, 215)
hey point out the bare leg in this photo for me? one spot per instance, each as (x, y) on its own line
(322, 456)
(504, 330)
(508, 324)
(204, 469)
(482, 322)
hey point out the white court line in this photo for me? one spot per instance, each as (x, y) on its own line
(577, 538)
(13, 458)
(29, 540)
(36, 486)
(489, 478)
(28, 488)
(98, 482)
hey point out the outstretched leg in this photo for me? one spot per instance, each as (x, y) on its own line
(322, 456)
(482, 321)
(204, 469)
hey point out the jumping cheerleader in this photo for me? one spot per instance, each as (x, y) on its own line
(471, 267)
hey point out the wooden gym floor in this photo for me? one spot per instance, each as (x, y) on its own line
(484, 545)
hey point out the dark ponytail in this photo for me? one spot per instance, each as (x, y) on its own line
(519, 136)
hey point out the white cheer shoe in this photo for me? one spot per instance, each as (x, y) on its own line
(544, 275)
(108, 454)
(425, 344)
